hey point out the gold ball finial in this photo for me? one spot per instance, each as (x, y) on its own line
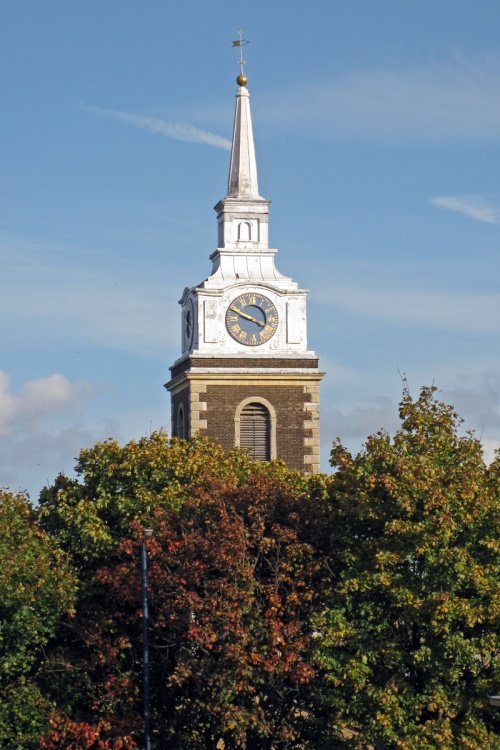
(242, 80)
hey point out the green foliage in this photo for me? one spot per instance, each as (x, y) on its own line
(287, 611)
(188, 491)
(232, 587)
(119, 485)
(409, 641)
(36, 588)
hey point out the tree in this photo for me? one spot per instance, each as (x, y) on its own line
(409, 640)
(233, 574)
(356, 611)
(36, 588)
(118, 485)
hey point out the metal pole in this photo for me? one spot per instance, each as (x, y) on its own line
(145, 642)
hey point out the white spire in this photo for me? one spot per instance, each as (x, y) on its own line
(242, 182)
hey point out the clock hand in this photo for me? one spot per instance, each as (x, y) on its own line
(248, 317)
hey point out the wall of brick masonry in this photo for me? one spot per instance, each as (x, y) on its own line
(288, 401)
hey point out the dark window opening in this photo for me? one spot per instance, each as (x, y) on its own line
(181, 425)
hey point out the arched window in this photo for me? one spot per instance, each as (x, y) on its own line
(255, 431)
(181, 424)
(244, 231)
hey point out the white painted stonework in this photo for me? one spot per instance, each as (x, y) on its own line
(242, 182)
(243, 262)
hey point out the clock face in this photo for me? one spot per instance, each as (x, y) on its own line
(189, 324)
(251, 319)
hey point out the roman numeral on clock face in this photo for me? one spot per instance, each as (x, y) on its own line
(251, 319)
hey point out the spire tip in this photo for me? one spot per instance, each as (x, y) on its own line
(241, 80)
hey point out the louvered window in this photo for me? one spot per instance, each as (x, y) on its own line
(255, 431)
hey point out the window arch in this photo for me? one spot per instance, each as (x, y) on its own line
(181, 422)
(244, 231)
(255, 428)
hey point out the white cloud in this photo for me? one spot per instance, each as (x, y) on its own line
(490, 448)
(362, 420)
(32, 458)
(479, 402)
(38, 400)
(40, 430)
(455, 101)
(179, 131)
(472, 206)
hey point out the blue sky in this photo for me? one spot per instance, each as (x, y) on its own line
(377, 130)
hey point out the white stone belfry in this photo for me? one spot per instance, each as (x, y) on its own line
(243, 262)
(243, 216)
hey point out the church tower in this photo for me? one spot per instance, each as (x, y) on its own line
(245, 376)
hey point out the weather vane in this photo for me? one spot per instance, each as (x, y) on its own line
(242, 80)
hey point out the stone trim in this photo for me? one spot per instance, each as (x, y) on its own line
(197, 408)
(311, 428)
(242, 378)
(275, 363)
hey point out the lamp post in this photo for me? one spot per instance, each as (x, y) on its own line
(145, 640)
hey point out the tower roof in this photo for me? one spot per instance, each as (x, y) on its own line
(242, 182)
